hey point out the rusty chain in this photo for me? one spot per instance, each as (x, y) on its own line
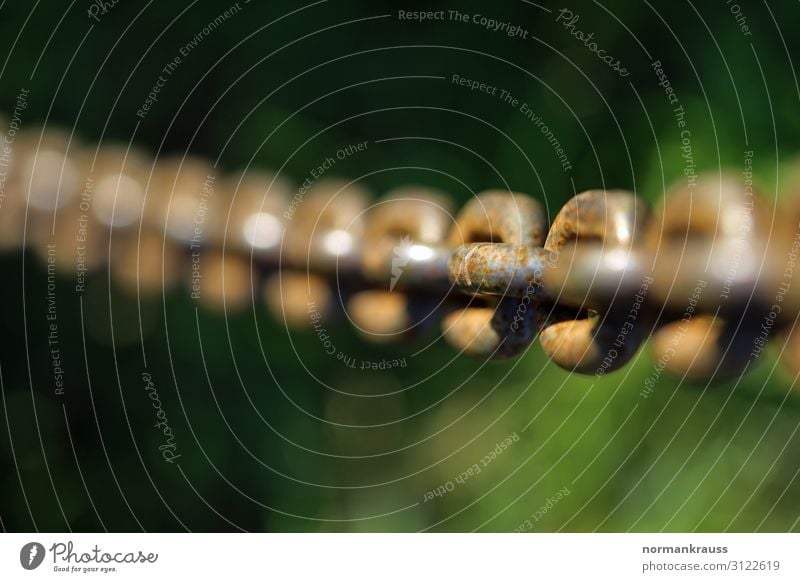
(707, 275)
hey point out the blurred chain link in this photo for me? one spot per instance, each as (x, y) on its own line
(707, 275)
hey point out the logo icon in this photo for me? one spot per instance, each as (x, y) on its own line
(31, 555)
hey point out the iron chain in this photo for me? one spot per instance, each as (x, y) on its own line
(707, 274)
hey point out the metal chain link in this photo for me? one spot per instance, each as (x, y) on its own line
(707, 275)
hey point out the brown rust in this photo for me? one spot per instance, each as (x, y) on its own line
(711, 248)
(500, 216)
(497, 235)
(611, 220)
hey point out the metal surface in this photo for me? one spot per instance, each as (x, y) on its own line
(496, 236)
(403, 245)
(605, 338)
(708, 275)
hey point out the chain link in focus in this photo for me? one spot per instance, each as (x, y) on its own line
(707, 275)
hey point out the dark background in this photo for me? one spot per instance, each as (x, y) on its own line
(264, 445)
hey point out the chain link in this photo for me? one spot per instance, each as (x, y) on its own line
(707, 275)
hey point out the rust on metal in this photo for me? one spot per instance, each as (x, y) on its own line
(709, 275)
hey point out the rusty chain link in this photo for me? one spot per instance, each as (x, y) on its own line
(496, 237)
(707, 276)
